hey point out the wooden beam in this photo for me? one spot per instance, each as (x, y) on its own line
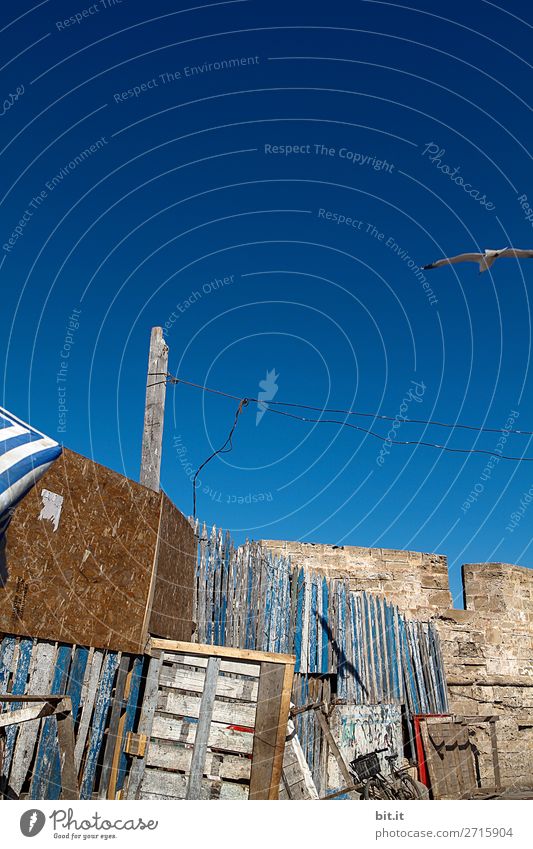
(149, 705)
(346, 774)
(283, 719)
(266, 732)
(113, 743)
(65, 737)
(52, 699)
(495, 757)
(36, 711)
(157, 645)
(199, 752)
(154, 412)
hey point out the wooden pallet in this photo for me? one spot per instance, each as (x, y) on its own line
(213, 723)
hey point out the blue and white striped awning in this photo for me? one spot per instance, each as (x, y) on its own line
(25, 455)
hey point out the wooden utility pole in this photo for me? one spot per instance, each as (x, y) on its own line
(154, 412)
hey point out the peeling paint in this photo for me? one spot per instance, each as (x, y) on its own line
(52, 506)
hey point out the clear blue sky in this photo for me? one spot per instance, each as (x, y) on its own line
(155, 140)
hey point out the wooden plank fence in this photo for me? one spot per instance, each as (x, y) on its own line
(90, 678)
(248, 598)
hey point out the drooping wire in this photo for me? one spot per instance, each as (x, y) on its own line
(224, 449)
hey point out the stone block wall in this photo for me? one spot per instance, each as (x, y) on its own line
(412, 580)
(487, 647)
(488, 656)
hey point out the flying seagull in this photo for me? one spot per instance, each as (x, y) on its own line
(485, 259)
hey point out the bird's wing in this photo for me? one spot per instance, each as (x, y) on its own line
(453, 259)
(517, 253)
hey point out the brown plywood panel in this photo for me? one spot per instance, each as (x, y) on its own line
(80, 569)
(172, 603)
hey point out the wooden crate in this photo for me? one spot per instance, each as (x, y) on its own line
(215, 719)
(96, 559)
(449, 755)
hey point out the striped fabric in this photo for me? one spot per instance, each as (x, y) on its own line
(25, 455)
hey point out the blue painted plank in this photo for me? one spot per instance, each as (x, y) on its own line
(382, 637)
(412, 640)
(274, 611)
(75, 678)
(70, 685)
(280, 611)
(341, 640)
(356, 674)
(103, 698)
(375, 648)
(7, 651)
(249, 593)
(361, 653)
(46, 783)
(408, 667)
(372, 695)
(268, 606)
(283, 619)
(216, 591)
(391, 648)
(439, 672)
(299, 619)
(20, 678)
(324, 666)
(131, 709)
(223, 596)
(209, 581)
(313, 626)
(275, 606)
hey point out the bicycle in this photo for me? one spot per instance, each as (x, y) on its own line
(366, 770)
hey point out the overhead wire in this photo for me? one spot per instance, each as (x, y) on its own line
(271, 405)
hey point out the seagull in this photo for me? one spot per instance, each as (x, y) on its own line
(485, 259)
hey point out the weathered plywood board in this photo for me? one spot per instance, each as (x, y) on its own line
(98, 562)
(119, 557)
(171, 613)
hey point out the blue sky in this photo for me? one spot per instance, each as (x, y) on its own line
(264, 179)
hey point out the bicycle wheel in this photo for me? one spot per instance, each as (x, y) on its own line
(376, 788)
(409, 788)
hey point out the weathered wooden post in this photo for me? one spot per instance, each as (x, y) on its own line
(154, 412)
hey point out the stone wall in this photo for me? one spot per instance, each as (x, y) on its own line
(487, 648)
(488, 651)
(412, 580)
